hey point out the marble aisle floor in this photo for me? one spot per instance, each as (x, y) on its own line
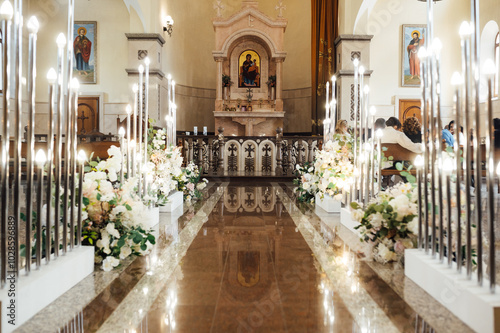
(248, 258)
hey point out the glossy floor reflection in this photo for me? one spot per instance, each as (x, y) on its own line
(248, 270)
(247, 259)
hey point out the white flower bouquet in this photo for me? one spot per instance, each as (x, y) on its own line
(112, 214)
(190, 182)
(389, 223)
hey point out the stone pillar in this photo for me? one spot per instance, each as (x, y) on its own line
(219, 101)
(279, 84)
(348, 47)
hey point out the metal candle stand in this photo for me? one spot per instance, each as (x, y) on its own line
(62, 105)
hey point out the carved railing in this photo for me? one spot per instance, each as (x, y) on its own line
(218, 155)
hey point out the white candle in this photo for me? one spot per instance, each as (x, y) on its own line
(146, 121)
(139, 139)
(129, 111)
(134, 150)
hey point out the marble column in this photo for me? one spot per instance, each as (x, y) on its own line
(219, 102)
(279, 84)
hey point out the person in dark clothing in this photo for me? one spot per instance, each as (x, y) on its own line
(393, 122)
(496, 133)
(413, 129)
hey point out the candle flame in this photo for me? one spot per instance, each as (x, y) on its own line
(40, 157)
(121, 131)
(419, 161)
(362, 70)
(75, 84)
(489, 67)
(33, 25)
(379, 133)
(465, 29)
(51, 76)
(61, 40)
(373, 110)
(141, 69)
(356, 62)
(6, 11)
(135, 88)
(334, 78)
(82, 157)
(457, 79)
(422, 53)
(366, 90)
(128, 109)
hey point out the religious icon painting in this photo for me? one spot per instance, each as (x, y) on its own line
(84, 52)
(249, 73)
(413, 40)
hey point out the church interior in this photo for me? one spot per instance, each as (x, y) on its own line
(249, 166)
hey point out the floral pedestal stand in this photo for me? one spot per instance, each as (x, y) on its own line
(175, 200)
(328, 203)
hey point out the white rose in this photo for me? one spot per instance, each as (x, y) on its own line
(125, 252)
(110, 228)
(377, 220)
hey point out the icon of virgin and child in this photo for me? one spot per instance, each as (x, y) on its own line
(249, 72)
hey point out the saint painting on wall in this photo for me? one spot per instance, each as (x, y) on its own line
(84, 49)
(249, 64)
(413, 40)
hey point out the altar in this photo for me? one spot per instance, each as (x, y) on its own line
(249, 55)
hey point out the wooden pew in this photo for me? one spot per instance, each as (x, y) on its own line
(398, 153)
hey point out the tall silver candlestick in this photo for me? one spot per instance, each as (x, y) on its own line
(18, 51)
(169, 89)
(448, 169)
(146, 122)
(360, 123)
(465, 33)
(366, 91)
(373, 112)
(33, 29)
(61, 43)
(135, 89)
(379, 133)
(432, 146)
(141, 124)
(81, 161)
(40, 161)
(121, 133)
(73, 112)
(457, 81)
(129, 110)
(51, 78)
(422, 54)
(174, 116)
(490, 70)
(6, 12)
(419, 163)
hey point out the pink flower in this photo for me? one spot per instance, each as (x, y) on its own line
(399, 247)
(190, 186)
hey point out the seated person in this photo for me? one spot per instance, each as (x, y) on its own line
(379, 124)
(448, 138)
(461, 136)
(342, 127)
(496, 133)
(413, 129)
(392, 134)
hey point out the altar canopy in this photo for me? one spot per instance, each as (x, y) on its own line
(249, 52)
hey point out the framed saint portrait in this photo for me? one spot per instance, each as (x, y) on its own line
(249, 69)
(413, 40)
(84, 51)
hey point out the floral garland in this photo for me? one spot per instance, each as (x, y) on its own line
(389, 222)
(113, 214)
(331, 171)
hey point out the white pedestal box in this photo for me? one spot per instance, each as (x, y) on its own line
(42, 286)
(328, 203)
(474, 305)
(151, 217)
(175, 199)
(347, 221)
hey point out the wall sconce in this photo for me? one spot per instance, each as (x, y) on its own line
(168, 25)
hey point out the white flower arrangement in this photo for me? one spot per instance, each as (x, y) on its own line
(113, 214)
(332, 169)
(164, 167)
(190, 183)
(389, 222)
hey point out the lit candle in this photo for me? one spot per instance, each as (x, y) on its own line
(490, 70)
(75, 86)
(174, 115)
(40, 161)
(422, 55)
(169, 89)
(457, 81)
(33, 29)
(141, 124)
(51, 78)
(134, 151)
(81, 159)
(373, 111)
(379, 133)
(419, 163)
(129, 111)
(121, 133)
(6, 13)
(146, 120)
(61, 43)
(465, 33)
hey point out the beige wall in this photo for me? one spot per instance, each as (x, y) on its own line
(189, 58)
